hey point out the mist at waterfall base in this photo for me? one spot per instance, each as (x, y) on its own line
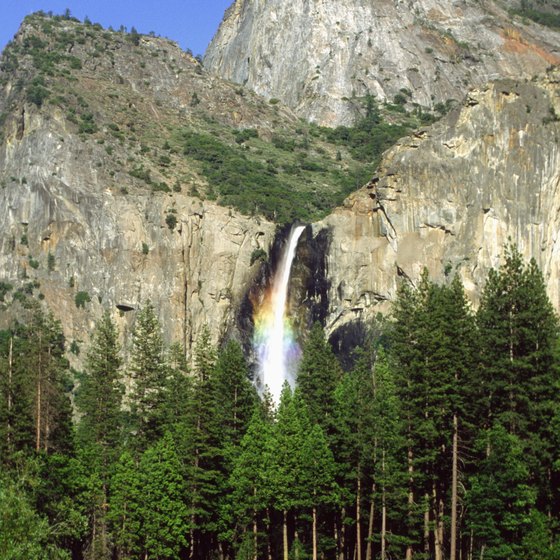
(275, 343)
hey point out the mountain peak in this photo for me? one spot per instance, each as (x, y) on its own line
(318, 57)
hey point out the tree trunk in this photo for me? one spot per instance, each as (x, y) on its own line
(46, 405)
(314, 532)
(255, 527)
(410, 498)
(268, 545)
(285, 534)
(38, 421)
(370, 524)
(438, 523)
(427, 525)
(383, 511)
(10, 381)
(342, 534)
(335, 536)
(453, 543)
(191, 538)
(358, 517)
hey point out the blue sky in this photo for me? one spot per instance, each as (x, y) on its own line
(191, 23)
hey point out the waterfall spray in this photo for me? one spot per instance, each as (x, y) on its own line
(275, 343)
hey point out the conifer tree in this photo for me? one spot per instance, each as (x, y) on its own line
(236, 396)
(124, 513)
(353, 444)
(16, 404)
(205, 471)
(53, 418)
(318, 375)
(250, 481)
(290, 432)
(389, 461)
(317, 477)
(433, 348)
(100, 394)
(149, 373)
(500, 499)
(162, 512)
(100, 428)
(519, 375)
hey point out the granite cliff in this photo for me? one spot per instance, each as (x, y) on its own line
(450, 197)
(320, 57)
(104, 204)
(94, 213)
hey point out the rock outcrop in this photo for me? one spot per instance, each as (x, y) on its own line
(99, 206)
(320, 57)
(94, 214)
(450, 198)
(71, 234)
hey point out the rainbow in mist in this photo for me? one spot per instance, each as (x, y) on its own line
(277, 350)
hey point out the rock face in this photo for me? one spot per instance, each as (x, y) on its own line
(450, 198)
(320, 57)
(87, 225)
(62, 228)
(79, 228)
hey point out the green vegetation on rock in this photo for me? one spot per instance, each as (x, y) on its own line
(234, 149)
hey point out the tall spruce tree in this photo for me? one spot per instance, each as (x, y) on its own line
(100, 427)
(352, 442)
(163, 515)
(100, 394)
(250, 481)
(500, 499)
(318, 375)
(205, 470)
(317, 479)
(149, 373)
(125, 503)
(519, 374)
(291, 428)
(433, 349)
(236, 396)
(16, 400)
(388, 472)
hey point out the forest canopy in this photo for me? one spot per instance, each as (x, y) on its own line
(440, 441)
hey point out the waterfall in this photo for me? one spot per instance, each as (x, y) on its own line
(275, 343)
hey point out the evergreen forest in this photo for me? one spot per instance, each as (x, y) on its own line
(440, 441)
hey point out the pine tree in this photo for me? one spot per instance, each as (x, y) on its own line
(519, 375)
(353, 444)
(16, 405)
(500, 499)
(35, 408)
(236, 396)
(100, 394)
(124, 514)
(100, 428)
(162, 512)
(389, 472)
(433, 349)
(318, 375)
(205, 472)
(317, 477)
(250, 480)
(288, 487)
(149, 373)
